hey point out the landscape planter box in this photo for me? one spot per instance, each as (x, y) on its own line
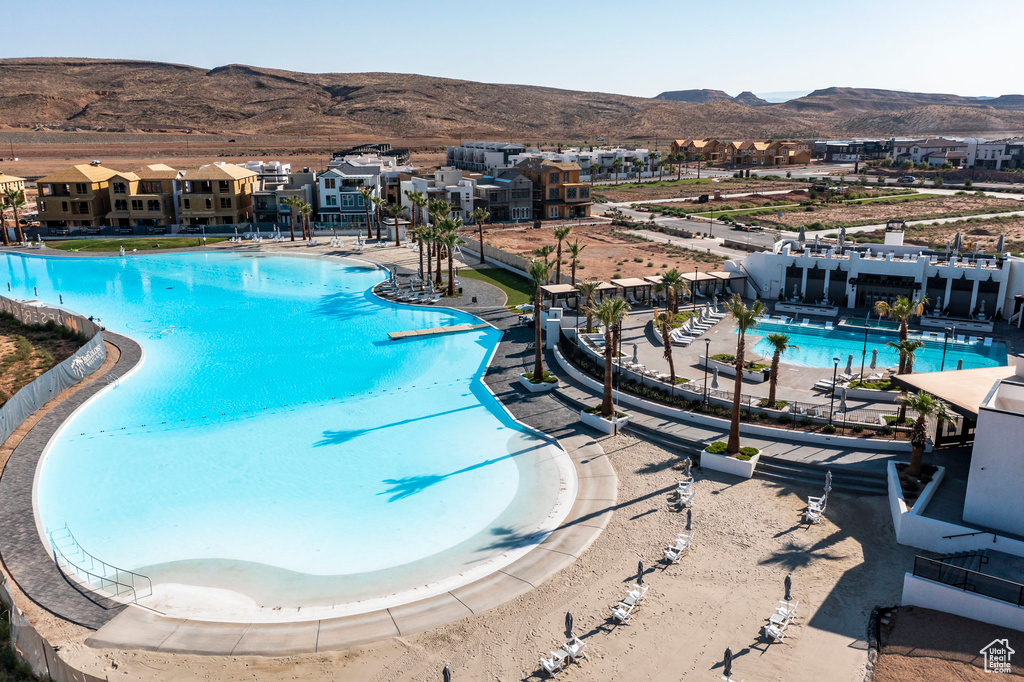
(728, 464)
(542, 387)
(607, 426)
(730, 370)
(871, 394)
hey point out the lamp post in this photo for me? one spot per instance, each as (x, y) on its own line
(707, 360)
(835, 373)
(693, 293)
(864, 351)
(946, 333)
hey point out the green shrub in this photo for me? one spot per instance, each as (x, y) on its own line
(806, 421)
(785, 419)
(717, 448)
(857, 429)
(884, 385)
(885, 431)
(828, 428)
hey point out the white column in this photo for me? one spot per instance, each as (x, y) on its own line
(949, 292)
(974, 297)
(828, 276)
(803, 282)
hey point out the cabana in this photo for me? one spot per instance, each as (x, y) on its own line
(728, 283)
(701, 283)
(554, 295)
(605, 290)
(634, 290)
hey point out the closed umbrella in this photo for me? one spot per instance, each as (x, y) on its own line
(714, 378)
(801, 236)
(874, 357)
(1001, 244)
(849, 365)
(446, 674)
(640, 573)
(842, 238)
(727, 663)
(687, 463)
(842, 399)
(689, 519)
(568, 624)
(634, 354)
(828, 481)
(960, 363)
(788, 582)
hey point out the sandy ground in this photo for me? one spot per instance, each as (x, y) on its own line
(934, 206)
(609, 250)
(749, 535)
(921, 644)
(649, 192)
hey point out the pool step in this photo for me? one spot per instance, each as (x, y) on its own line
(434, 331)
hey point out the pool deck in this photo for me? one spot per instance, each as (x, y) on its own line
(133, 626)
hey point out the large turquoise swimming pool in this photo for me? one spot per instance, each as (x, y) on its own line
(816, 347)
(275, 449)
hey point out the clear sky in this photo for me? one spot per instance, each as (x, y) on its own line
(639, 47)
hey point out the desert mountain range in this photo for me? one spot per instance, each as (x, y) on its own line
(120, 95)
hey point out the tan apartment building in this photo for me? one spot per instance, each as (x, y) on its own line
(746, 152)
(558, 193)
(77, 196)
(11, 182)
(148, 198)
(711, 149)
(218, 194)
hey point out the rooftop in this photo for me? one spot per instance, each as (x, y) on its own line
(221, 171)
(80, 173)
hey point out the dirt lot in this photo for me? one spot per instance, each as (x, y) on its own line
(27, 352)
(924, 208)
(983, 231)
(674, 190)
(920, 644)
(609, 252)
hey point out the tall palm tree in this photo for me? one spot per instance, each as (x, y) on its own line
(587, 290)
(746, 319)
(617, 166)
(663, 323)
(427, 233)
(16, 200)
(395, 211)
(610, 312)
(673, 284)
(901, 310)
(575, 249)
(480, 216)
(538, 272)
(907, 350)
(3, 222)
(368, 199)
(698, 158)
(306, 210)
(378, 205)
(449, 240)
(293, 204)
(655, 158)
(637, 165)
(926, 406)
(594, 167)
(418, 201)
(561, 234)
(780, 342)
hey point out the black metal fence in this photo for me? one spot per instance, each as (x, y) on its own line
(969, 581)
(698, 397)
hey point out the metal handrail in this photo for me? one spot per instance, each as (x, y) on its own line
(122, 582)
(967, 584)
(977, 532)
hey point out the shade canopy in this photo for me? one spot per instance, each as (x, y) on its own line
(964, 390)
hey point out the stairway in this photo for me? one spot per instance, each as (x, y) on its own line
(971, 561)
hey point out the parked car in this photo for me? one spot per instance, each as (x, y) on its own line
(907, 180)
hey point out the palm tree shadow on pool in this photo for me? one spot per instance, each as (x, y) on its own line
(411, 485)
(339, 437)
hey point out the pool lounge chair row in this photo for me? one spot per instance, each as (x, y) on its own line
(623, 611)
(692, 329)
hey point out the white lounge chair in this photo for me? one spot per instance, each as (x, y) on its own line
(684, 487)
(433, 299)
(623, 615)
(576, 649)
(988, 340)
(555, 664)
(828, 326)
(787, 608)
(774, 632)
(817, 503)
(806, 322)
(640, 590)
(813, 516)
(686, 499)
(961, 339)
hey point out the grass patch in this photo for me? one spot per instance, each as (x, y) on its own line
(549, 378)
(718, 448)
(33, 353)
(885, 385)
(518, 289)
(660, 183)
(728, 359)
(140, 243)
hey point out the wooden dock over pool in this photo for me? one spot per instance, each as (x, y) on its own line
(434, 331)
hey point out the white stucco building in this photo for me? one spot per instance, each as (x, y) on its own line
(447, 184)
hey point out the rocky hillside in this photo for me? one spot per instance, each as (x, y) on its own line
(118, 95)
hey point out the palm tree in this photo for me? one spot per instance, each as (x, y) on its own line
(663, 323)
(587, 290)
(637, 165)
(293, 204)
(781, 344)
(3, 222)
(418, 201)
(368, 198)
(306, 210)
(698, 158)
(926, 406)
(617, 166)
(480, 216)
(655, 157)
(427, 234)
(610, 312)
(538, 272)
(746, 319)
(906, 349)
(561, 234)
(450, 239)
(378, 205)
(575, 249)
(395, 211)
(901, 310)
(673, 284)
(594, 167)
(16, 200)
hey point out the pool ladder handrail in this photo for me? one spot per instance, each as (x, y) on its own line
(123, 581)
